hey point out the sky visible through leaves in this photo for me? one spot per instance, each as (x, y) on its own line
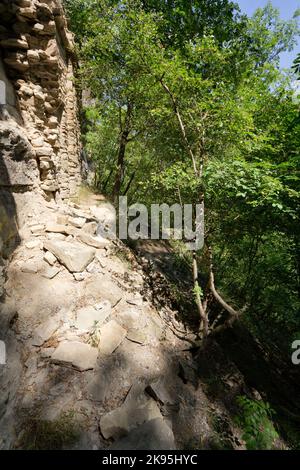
(287, 9)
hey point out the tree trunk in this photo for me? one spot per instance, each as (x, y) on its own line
(107, 180)
(125, 131)
(129, 183)
(201, 310)
(201, 306)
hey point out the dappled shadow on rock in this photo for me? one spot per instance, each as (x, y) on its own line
(9, 240)
(54, 390)
(9, 236)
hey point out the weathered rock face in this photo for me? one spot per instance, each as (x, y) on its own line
(39, 131)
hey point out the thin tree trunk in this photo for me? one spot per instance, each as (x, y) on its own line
(125, 131)
(181, 125)
(107, 180)
(120, 164)
(233, 313)
(129, 183)
(201, 306)
(201, 311)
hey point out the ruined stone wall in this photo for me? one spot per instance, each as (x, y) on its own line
(39, 130)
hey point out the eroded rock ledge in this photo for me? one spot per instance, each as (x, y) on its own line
(39, 130)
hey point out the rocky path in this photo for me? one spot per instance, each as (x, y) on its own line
(90, 361)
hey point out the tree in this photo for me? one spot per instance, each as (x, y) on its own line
(207, 117)
(116, 30)
(201, 100)
(296, 65)
(190, 20)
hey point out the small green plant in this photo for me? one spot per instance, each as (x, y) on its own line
(123, 256)
(197, 290)
(95, 335)
(255, 420)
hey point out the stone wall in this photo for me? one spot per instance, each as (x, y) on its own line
(39, 130)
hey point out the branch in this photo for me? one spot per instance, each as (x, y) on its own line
(201, 310)
(120, 120)
(233, 313)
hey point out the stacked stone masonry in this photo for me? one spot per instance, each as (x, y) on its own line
(39, 129)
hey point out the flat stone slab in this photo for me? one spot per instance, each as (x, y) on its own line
(136, 336)
(47, 352)
(29, 268)
(82, 356)
(152, 435)
(101, 287)
(87, 317)
(33, 244)
(50, 258)
(104, 213)
(37, 228)
(131, 318)
(137, 409)
(137, 301)
(44, 332)
(96, 242)
(74, 256)
(159, 391)
(111, 336)
(49, 272)
(59, 228)
(77, 222)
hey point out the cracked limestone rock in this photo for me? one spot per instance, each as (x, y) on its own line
(74, 256)
(112, 335)
(44, 332)
(75, 354)
(137, 409)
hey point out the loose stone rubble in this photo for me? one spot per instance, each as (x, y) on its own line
(79, 355)
(59, 336)
(81, 334)
(87, 340)
(74, 256)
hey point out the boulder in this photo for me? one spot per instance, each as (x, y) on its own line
(137, 409)
(74, 256)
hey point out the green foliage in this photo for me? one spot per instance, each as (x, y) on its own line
(296, 65)
(197, 291)
(186, 22)
(271, 35)
(146, 62)
(255, 420)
